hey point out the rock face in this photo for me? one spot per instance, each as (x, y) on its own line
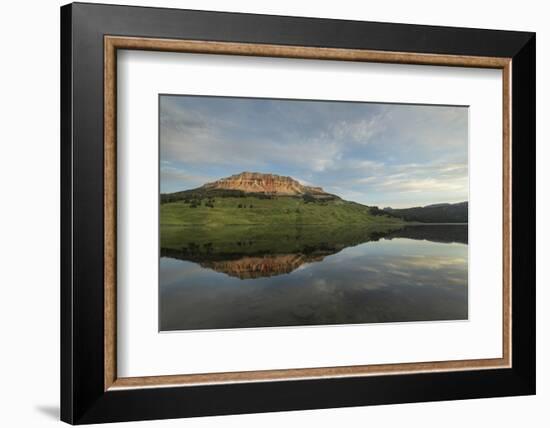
(272, 184)
(261, 266)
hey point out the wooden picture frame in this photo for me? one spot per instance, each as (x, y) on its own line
(91, 390)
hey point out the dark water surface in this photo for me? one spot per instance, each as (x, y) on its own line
(267, 277)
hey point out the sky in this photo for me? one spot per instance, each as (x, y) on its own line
(386, 155)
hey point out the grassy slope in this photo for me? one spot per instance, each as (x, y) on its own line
(280, 225)
(281, 210)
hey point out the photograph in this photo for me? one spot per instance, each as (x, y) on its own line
(280, 212)
(265, 212)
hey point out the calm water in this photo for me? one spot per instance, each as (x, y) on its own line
(312, 277)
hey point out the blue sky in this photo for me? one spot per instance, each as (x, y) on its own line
(376, 154)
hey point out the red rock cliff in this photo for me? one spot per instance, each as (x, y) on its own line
(259, 267)
(256, 182)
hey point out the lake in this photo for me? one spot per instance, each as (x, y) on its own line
(269, 276)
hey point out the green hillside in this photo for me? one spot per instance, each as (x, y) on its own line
(245, 209)
(437, 213)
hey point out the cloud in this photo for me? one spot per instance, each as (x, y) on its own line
(449, 178)
(373, 153)
(361, 131)
(171, 177)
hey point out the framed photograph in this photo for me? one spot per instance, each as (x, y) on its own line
(266, 213)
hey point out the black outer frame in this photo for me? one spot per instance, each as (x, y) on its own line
(83, 399)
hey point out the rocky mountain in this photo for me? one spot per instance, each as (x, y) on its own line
(271, 184)
(252, 184)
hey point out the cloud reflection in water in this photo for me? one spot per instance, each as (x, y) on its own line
(393, 279)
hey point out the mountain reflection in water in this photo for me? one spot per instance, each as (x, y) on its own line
(257, 276)
(243, 264)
